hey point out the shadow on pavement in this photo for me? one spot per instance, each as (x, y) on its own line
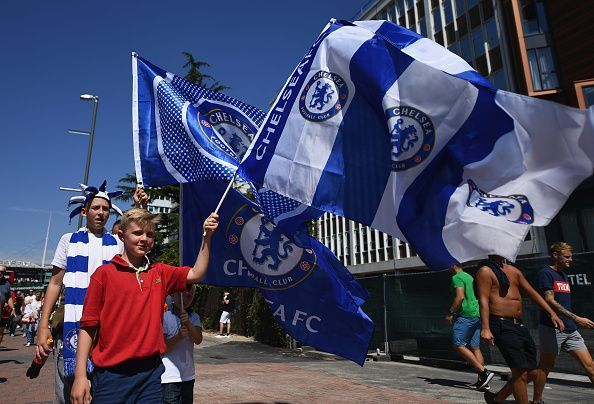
(247, 351)
(8, 349)
(3, 361)
(449, 383)
(3, 380)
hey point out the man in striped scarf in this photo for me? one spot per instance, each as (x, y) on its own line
(77, 256)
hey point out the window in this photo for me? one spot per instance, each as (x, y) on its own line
(448, 12)
(481, 65)
(487, 6)
(475, 17)
(542, 69)
(462, 25)
(585, 93)
(449, 30)
(411, 19)
(495, 59)
(465, 48)
(589, 95)
(436, 19)
(420, 9)
(534, 19)
(439, 37)
(478, 41)
(423, 26)
(460, 9)
(492, 36)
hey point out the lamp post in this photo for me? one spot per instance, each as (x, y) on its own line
(88, 97)
(91, 134)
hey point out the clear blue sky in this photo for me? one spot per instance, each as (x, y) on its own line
(53, 51)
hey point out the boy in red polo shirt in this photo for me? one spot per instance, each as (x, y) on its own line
(123, 314)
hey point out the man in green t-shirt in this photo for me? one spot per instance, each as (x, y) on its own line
(465, 318)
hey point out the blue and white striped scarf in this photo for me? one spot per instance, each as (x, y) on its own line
(76, 281)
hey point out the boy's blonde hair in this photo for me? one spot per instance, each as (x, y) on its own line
(142, 217)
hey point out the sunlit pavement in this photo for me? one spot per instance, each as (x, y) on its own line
(239, 370)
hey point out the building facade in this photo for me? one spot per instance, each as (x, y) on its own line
(539, 48)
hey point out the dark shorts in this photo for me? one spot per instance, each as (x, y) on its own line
(180, 392)
(514, 342)
(134, 381)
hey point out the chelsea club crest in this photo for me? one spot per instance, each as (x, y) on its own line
(412, 136)
(274, 262)
(71, 340)
(224, 126)
(514, 208)
(323, 96)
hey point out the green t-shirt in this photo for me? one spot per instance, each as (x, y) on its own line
(469, 306)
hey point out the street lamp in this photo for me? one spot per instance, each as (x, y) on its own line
(89, 97)
(91, 134)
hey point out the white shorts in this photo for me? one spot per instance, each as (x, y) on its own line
(225, 317)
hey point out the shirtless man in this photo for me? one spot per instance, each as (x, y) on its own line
(499, 285)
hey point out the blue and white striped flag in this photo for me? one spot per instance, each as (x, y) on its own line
(184, 132)
(391, 130)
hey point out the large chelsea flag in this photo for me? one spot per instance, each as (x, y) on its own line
(184, 132)
(387, 128)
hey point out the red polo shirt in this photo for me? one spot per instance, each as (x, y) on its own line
(129, 315)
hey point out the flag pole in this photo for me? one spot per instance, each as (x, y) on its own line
(223, 197)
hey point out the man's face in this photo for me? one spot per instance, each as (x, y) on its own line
(97, 214)
(2, 272)
(563, 259)
(38, 296)
(138, 240)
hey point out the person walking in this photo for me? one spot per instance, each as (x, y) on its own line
(553, 284)
(499, 286)
(228, 305)
(464, 317)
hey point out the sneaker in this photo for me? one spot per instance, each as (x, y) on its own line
(220, 336)
(477, 386)
(483, 379)
(227, 336)
(28, 344)
(490, 397)
(12, 335)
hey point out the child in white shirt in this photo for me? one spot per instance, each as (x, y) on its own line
(181, 329)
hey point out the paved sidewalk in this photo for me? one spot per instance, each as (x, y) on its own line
(239, 370)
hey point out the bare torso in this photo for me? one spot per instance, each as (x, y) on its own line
(509, 305)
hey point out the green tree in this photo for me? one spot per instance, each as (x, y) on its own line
(196, 76)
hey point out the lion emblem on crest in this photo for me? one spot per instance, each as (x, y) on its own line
(403, 139)
(495, 208)
(270, 244)
(321, 96)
